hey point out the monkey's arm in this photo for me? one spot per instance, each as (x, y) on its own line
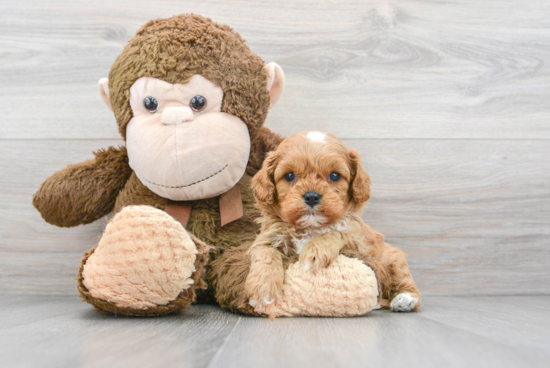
(82, 193)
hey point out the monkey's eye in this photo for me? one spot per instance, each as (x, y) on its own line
(290, 177)
(151, 104)
(334, 177)
(197, 103)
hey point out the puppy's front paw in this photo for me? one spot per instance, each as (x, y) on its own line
(404, 302)
(264, 294)
(314, 257)
(264, 284)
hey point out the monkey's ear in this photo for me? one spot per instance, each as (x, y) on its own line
(360, 180)
(103, 87)
(263, 186)
(275, 82)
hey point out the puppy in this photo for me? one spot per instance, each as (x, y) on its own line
(311, 191)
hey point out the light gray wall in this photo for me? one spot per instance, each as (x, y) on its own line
(447, 102)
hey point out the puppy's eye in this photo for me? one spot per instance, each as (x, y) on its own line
(290, 177)
(334, 177)
(197, 103)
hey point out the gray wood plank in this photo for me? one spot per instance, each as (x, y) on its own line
(85, 338)
(18, 310)
(472, 215)
(514, 265)
(514, 321)
(381, 339)
(450, 332)
(366, 69)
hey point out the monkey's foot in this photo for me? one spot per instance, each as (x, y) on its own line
(345, 288)
(145, 264)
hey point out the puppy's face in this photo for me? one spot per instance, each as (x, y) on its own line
(311, 180)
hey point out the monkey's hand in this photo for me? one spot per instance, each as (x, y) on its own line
(264, 283)
(321, 251)
(82, 193)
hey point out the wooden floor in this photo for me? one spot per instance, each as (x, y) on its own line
(467, 332)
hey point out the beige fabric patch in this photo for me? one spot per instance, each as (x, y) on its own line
(231, 205)
(179, 210)
(345, 288)
(144, 259)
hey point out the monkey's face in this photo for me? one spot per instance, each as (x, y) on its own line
(180, 145)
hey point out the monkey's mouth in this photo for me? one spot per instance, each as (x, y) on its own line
(188, 185)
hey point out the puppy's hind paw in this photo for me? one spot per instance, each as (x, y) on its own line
(404, 302)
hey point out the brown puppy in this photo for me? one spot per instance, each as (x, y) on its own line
(311, 191)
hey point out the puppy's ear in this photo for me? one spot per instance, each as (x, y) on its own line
(360, 180)
(263, 185)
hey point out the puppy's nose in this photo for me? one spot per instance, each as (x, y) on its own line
(312, 199)
(176, 115)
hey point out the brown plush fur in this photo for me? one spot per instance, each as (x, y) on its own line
(83, 193)
(177, 48)
(284, 209)
(172, 50)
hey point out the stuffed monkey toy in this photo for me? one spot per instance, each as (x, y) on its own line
(190, 100)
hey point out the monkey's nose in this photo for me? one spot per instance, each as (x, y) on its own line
(312, 199)
(176, 115)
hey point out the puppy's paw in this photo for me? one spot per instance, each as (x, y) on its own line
(264, 294)
(404, 302)
(264, 283)
(314, 256)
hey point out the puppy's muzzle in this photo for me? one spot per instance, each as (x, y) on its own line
(312, 199)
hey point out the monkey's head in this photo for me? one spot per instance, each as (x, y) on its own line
(189, 96)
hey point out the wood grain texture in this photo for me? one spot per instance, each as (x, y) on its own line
(81, 337)
(513, 321)
(466, 332)
(382, 339)
(359, 69)
(472, 215)
(447, 102)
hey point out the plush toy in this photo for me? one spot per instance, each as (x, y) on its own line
(190, 100)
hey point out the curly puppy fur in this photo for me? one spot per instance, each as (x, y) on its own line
(319, 233)
(172, 50)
